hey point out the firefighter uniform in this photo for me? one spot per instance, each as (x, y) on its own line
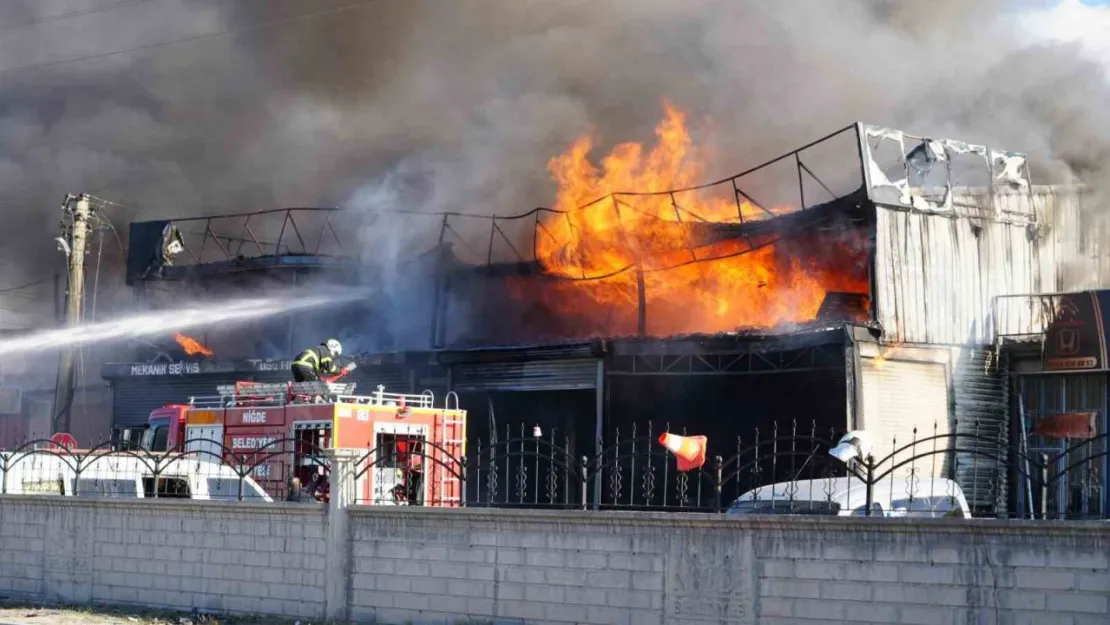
(313, 362)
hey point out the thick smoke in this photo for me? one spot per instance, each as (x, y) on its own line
(427, 106)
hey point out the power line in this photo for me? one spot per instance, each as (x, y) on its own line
(162, 44)
(105, 221)
(105, 203)
(26, 297)
(28, 285)
(62, 16)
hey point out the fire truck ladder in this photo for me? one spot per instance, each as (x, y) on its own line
(274, 394)
(453, 446)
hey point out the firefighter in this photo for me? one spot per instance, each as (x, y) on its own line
(316, 361)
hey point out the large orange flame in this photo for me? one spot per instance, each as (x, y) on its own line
(606, 242)
(191, 345)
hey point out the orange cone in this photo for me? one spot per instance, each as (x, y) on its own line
(689, 451)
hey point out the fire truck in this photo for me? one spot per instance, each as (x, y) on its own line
(410, 450)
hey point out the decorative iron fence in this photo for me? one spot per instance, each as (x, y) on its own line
(782, 471)
(272, 470)
(777, 472)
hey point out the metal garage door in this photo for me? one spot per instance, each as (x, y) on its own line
(544, 375)
(134, 398)
(899, 396)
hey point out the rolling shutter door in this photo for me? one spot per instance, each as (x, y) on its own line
(545, 375)
(982, 412)
(394, 379)
(898, 396)
(134, 398)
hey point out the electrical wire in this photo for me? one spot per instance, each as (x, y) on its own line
(105, 203)
(62, 16)
(104, 220)
(173, 42)
(25, 297)
(25, 286)
(96, 275)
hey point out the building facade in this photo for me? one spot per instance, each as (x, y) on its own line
(955, 233)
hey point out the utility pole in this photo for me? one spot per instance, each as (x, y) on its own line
(73, 240)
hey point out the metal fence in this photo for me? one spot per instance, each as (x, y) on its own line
(790, 470)
(787, 471)
(276, 470)
(784, 470)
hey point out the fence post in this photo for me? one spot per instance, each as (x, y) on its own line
(337, 571)
(1044, 486)
(717, 484)
(870, 484)
(585, 480)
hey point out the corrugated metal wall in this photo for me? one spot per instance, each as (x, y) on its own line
(982, 394)
(1074, 246)
(937, 272)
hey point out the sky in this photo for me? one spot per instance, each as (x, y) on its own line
(1086, 22)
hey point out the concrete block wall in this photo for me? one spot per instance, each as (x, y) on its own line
(943, 572)
(422, 565)
(623, 569)
(250, 558)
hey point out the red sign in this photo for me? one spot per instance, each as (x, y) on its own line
(1075, 338)
(323, 412)
(64, 440)
(268, 440)
(254, 416)
(1066, 425)
(265, 471)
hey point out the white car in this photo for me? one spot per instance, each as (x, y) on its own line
(847, 496)
(123, 475)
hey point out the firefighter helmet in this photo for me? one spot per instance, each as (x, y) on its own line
(334, 348)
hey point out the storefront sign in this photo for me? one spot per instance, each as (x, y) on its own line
(1066, 425)
(1076, 338)
(271, 365)
(165, 368)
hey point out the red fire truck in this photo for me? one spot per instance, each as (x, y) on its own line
(411, 450)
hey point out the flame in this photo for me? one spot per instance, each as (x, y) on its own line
(191, 345)
(880, 359)
(602, 246)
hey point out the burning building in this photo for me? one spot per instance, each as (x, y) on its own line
(846, 284)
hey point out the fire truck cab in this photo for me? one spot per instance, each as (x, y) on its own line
(412, 449)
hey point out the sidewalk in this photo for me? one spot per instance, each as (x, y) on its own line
(13, 613)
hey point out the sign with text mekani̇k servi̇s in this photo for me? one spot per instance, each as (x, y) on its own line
(1076, 336)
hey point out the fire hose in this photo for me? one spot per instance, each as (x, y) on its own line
(342, 372)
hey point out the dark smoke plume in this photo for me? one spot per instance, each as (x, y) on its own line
(429, 105)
